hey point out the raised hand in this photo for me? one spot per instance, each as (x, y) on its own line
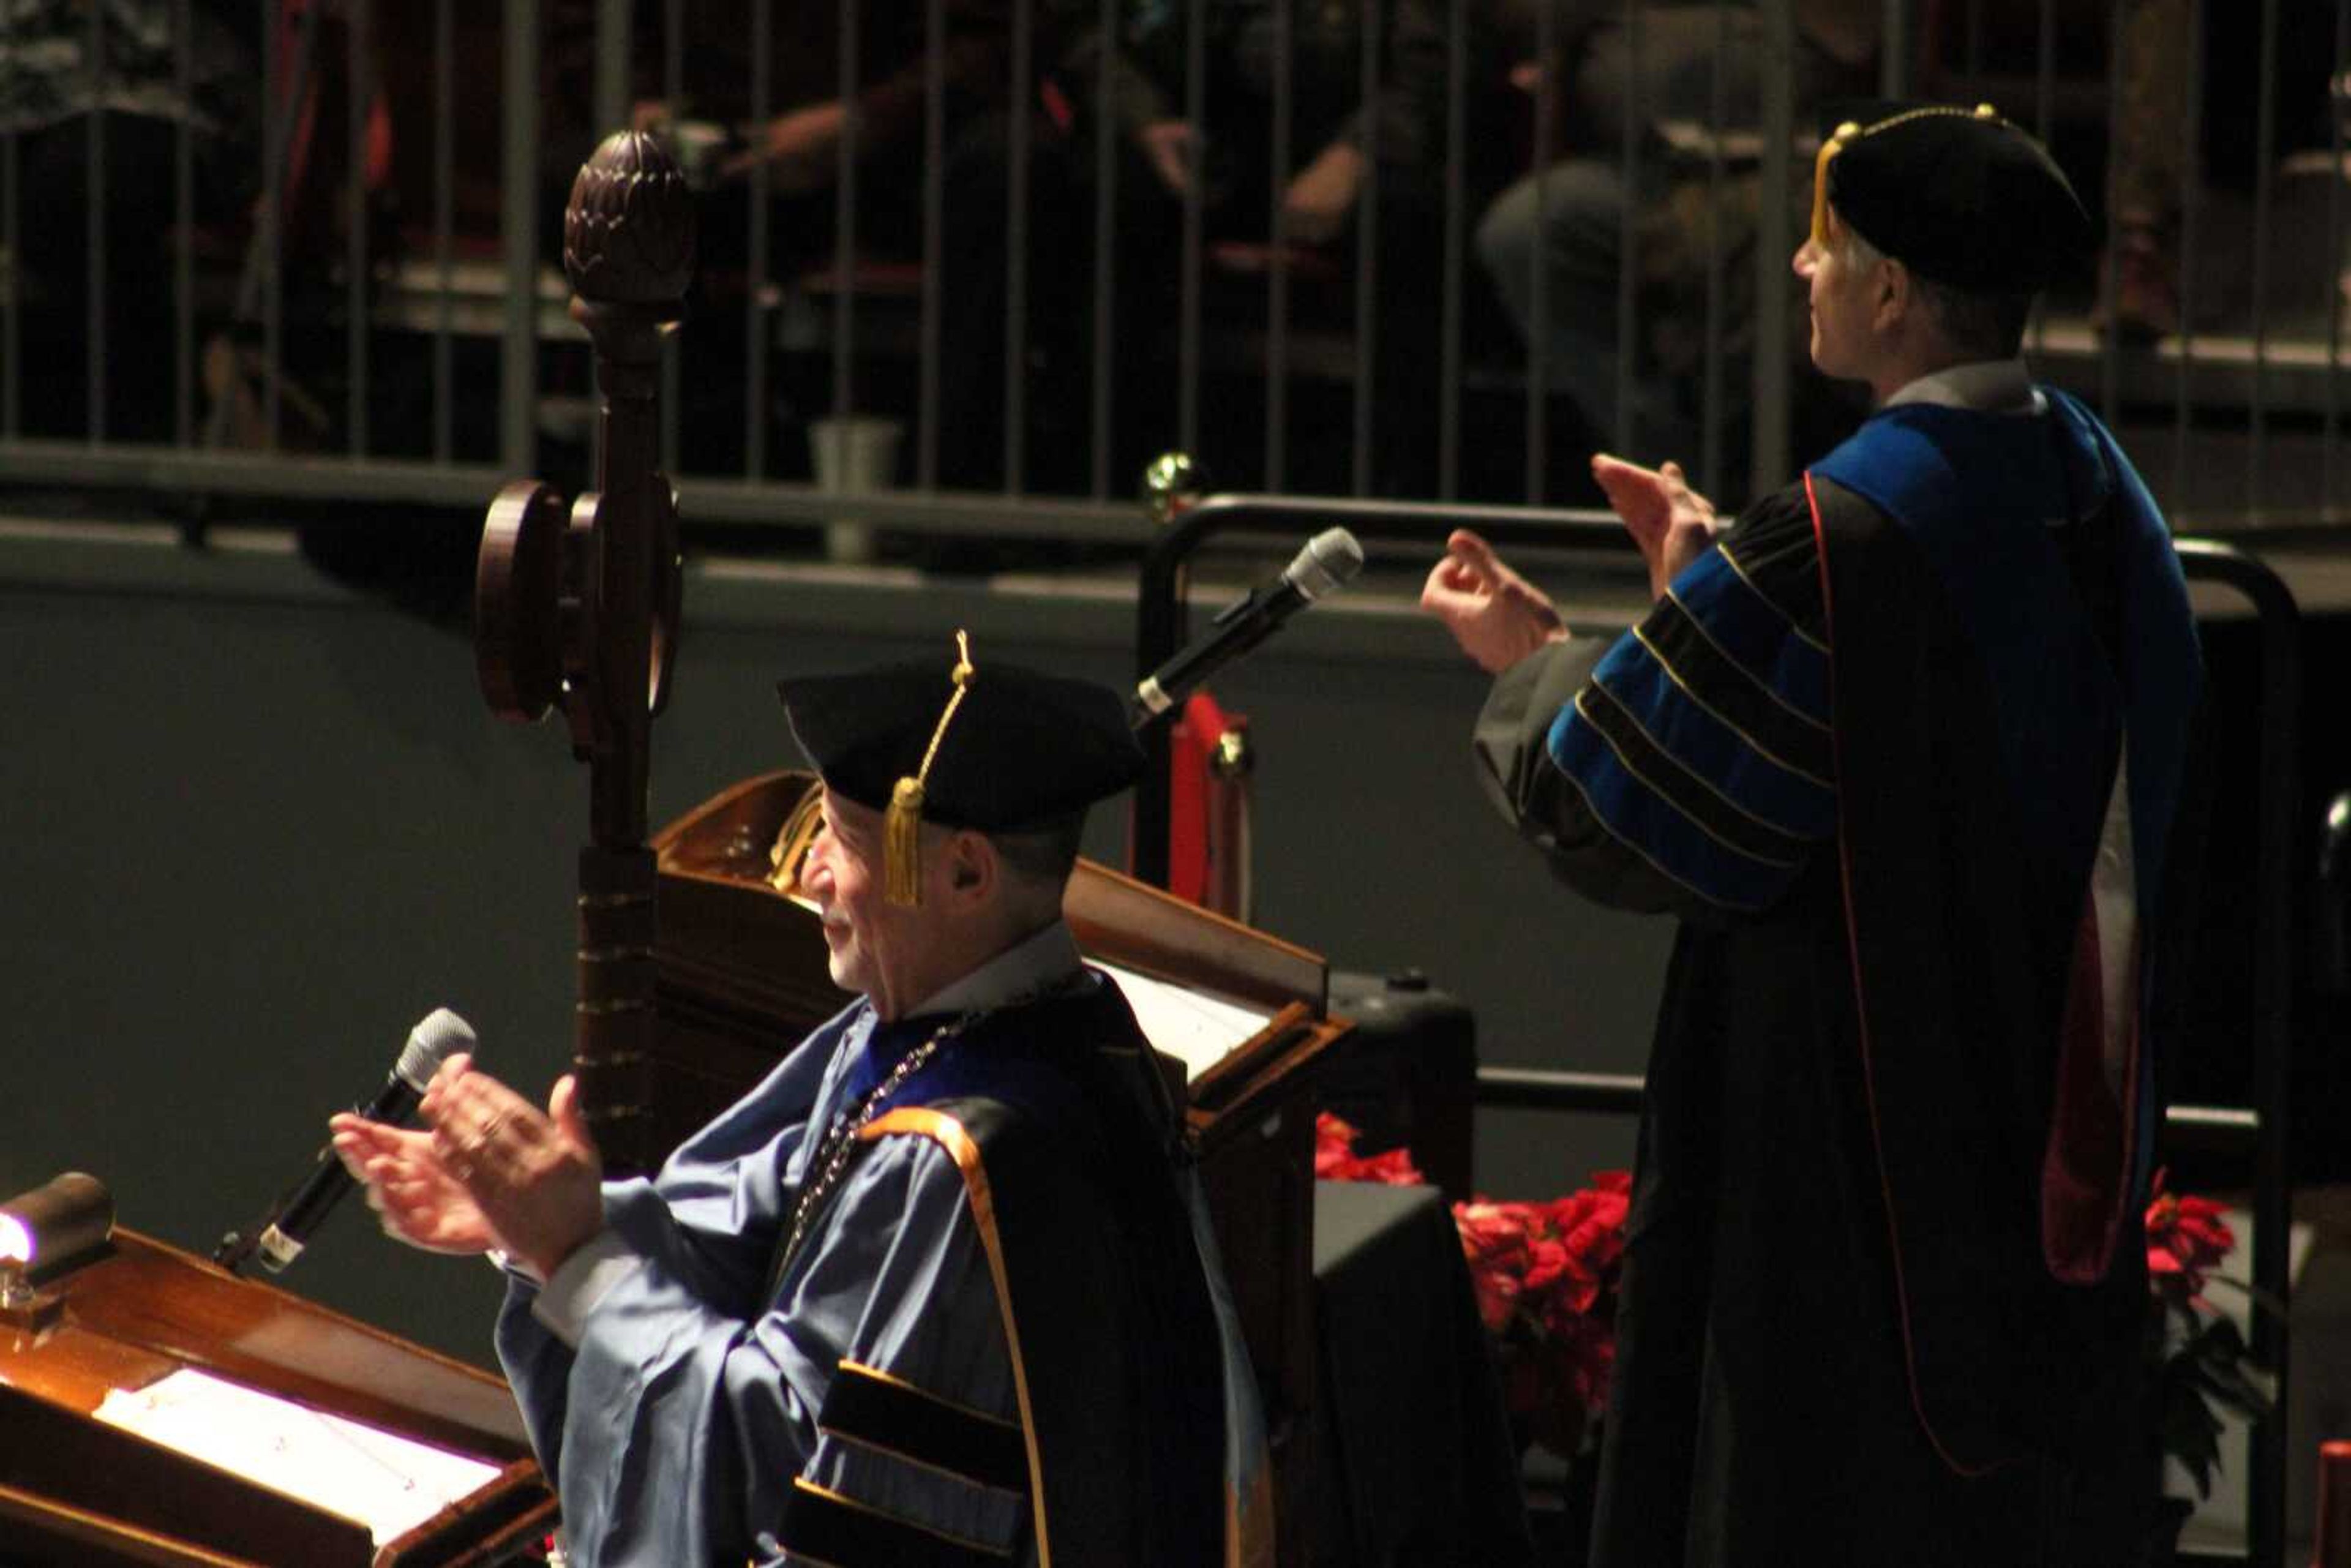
(1497, 616)
(800, 147)
(1320, 198)
(535, 1176)
(414, 1198)
(1672, 524)
(1171, 150)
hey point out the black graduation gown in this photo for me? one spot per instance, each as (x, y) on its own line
(1069, 1152)
(1785, 1393)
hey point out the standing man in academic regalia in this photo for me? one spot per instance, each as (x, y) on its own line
(939, 1289)
(1904, 748)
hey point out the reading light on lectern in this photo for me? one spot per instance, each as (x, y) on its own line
(66, 1219)
(56, 1222)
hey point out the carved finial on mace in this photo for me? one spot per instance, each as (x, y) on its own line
(577, 608)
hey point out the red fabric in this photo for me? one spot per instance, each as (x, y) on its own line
(378, 138)
(2084, 1165)
(379, 143)
(305, 112)
(1188, 740)
(2334, 1545)
(1203, 808)
(1058, 107)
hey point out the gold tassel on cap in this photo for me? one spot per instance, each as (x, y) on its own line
(1823, 219)
(790, 852)
(901, 824)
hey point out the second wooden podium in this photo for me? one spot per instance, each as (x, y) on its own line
(91, 1475)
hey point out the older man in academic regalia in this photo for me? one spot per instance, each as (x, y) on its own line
(1904, 748)
(940, 1288)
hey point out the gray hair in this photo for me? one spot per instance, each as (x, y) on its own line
(1043, 857)
(1978, 325)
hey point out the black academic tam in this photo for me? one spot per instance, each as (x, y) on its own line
(1960, 196)
(1024, 750)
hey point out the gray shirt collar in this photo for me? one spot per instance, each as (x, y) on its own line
(1041, 962)
(1987, 386)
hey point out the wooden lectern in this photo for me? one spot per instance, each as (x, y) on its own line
(76, 1492)
(740, 978)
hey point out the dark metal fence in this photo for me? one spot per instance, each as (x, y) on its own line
(1427, 249)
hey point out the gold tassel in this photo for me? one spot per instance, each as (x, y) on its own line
(1823, 217)
(901, 824)
(791, 847)
(901, 845)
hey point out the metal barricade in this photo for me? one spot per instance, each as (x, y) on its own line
(1159, 601)
(1322, 350)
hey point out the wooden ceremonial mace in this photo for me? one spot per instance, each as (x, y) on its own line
(580, 611)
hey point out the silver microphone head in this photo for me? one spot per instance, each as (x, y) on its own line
(440, 1035)
(1330, 561)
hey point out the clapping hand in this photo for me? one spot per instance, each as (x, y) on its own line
(1672, 524)
(416, 1199)
(493, 1171)
(1497, 616)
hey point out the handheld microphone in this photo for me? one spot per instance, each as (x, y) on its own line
(441, 1035)
(1330, 561)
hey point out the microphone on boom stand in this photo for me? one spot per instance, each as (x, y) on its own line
(1329, 562)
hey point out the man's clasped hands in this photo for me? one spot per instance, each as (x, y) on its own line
(488, 1171)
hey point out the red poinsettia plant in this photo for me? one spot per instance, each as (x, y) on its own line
(2200, 1353)
(1544, 1274)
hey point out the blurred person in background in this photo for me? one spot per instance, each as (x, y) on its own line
(70, 68)
(1564, 224)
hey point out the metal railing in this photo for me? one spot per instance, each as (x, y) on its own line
(1161, 613)
(422, 353)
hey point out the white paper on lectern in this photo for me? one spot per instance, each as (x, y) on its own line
(389, 1484)
(1197, 1029)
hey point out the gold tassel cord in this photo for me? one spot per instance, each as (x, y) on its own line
(901, 845)
(1823, 219)
(786, 860)
(901, 824)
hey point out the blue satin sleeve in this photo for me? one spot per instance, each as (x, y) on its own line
(689, 1410)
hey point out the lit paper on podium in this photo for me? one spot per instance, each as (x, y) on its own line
(1197, 1029)
(389, 1484)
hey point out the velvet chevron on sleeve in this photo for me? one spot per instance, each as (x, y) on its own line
(1693, 770)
